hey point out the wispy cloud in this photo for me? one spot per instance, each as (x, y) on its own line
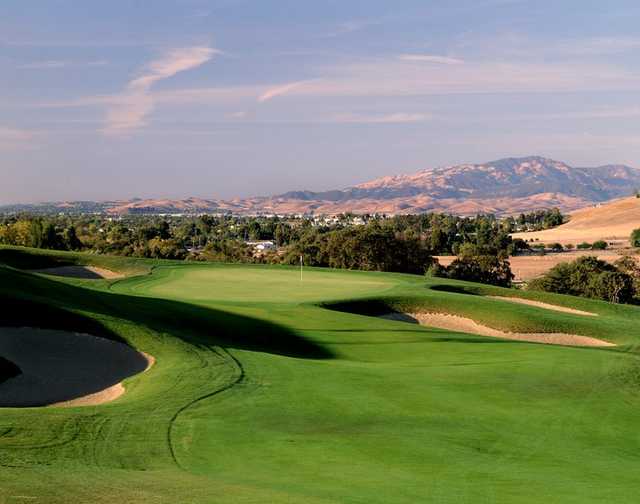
(53, 64)
(395, 118)
(430, 58)
(40, 65)
(129, 110)
(241, 114)
(394, 77)
(352, 26)
(517, 46)
(598, 46)
(280, 90)
(13, 138)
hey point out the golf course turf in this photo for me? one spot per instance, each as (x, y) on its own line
(272, 388)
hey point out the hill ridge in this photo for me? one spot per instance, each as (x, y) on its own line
(504, 186)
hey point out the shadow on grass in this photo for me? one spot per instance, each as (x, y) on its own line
(41, 302)
(424, 335)
(24, 259)
(8, 369)
(456, 289)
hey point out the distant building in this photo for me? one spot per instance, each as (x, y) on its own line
(261, 245)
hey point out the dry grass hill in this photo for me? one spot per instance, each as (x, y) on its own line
(611, 221)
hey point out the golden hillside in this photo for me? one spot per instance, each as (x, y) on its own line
(611, 221)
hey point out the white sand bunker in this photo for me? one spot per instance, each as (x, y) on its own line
(546, 306)
(65, 368)
(86, 272)
(466, 325)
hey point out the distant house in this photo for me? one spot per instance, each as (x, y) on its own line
(261, 245)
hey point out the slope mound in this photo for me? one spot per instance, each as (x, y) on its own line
(546, 306)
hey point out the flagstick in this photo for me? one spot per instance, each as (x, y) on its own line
(301, 268)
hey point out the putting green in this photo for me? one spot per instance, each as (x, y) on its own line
(268, 390)
(246, 284)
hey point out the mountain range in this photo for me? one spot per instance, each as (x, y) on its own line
(505, 186)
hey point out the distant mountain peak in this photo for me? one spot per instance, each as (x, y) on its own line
(504, 186)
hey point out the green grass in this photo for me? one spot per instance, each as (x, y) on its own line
(269, 389)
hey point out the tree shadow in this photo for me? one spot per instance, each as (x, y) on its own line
(42, 302)
(8, 369)
(26, 259)
(456, 289)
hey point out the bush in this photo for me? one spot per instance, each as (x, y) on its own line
(436, 270)
(483, 269)
(635, 238)
(473, 265)
(631, 267)
(520, 245)
(584, 246)
(556, 247)
(599, 245)
(612, 286)
(588, 277)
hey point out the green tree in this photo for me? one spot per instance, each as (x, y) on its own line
(588, 277)
(475, 266)
(70, 238)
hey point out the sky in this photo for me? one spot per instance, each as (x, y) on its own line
(236, 98)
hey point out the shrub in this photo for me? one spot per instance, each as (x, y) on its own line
(584, 246)
(635, 238)
(599, 245)
(612, 286)
(474, 265)
(436, 270)
(588, 277)
(556, 247)
(519, 245)
(631, 267)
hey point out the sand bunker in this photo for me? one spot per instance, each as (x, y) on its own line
(546, 306)
(461, 324)
(86, 272)
(65, 368)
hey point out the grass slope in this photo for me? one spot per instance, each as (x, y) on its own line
(271, 389)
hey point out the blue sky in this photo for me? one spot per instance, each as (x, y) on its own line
(102, 100)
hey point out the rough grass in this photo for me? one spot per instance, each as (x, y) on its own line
(261, 393)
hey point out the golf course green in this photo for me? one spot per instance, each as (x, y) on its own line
(272, 386)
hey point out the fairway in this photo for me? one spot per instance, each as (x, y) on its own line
(269, 389)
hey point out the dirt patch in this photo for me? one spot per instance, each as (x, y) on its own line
(546, 306)
(466, 325)
(65, 368)
(85, 272)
